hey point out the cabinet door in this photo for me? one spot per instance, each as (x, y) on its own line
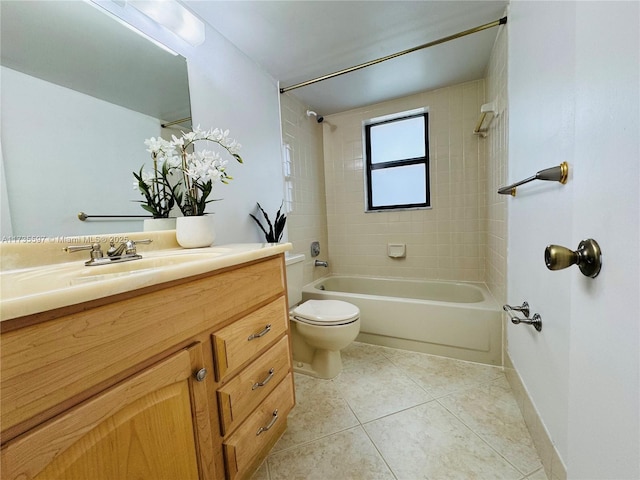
(151, 425)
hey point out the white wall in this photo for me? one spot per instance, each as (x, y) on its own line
(49, 156)
(541, 78)
(574, 96)
(227, 90)
(604, 389)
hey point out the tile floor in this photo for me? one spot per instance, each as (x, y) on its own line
(394, 414)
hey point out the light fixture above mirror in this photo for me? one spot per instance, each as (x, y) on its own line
(174, 17)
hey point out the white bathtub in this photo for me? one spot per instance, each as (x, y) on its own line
(458, 320)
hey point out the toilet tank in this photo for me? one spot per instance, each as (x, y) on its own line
(295, 271)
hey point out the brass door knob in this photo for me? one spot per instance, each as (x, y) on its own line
(588, 257)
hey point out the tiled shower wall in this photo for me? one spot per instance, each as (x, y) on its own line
(304, 183)
(497, 155)
(447, 241)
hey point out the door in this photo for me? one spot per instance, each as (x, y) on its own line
(574, 96)
(148, 426)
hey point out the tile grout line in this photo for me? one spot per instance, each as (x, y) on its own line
(379, 452)
(481, 438)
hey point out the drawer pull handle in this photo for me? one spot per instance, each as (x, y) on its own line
(261, 334)
(273, 420)
(264, 382)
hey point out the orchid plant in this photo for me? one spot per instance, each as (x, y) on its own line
(160, 195)
(201, 169)
(198, 171)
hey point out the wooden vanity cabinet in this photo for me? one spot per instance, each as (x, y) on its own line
(156, 384)
(256, 385)
(143, 427)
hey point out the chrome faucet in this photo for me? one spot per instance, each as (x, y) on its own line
(124, 252)
(321, 263)
(128, 248)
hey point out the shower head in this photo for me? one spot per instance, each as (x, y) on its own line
(312, 113)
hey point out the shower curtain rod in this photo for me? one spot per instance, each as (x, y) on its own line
(495, 23)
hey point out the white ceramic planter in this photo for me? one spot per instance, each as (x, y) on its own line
(195, 232)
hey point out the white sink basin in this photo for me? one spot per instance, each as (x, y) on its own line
(29, 290)
(32, 281)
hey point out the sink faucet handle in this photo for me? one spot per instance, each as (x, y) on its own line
(131, 245)
(146, 241)
(96, 250)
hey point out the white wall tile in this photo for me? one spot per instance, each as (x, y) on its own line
(457, 182)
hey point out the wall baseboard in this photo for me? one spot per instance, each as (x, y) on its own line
(551, 461)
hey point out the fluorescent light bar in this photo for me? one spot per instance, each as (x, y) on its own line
(130, 27)
(173, 16)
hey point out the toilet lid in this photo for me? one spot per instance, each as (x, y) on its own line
(326, 312)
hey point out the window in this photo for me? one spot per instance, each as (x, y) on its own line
(397, 156)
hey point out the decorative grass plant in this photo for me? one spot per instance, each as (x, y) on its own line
(275, 231)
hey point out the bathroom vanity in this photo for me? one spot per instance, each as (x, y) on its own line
(186, 376)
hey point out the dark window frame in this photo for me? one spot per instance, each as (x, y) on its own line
(370, 167)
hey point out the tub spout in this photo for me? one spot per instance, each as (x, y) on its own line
(321, 263)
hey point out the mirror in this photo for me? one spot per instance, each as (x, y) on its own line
(80, 94)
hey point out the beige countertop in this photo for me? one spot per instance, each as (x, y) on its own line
(37, 277)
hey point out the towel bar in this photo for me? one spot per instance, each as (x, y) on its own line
(83, 216)
(554, 174)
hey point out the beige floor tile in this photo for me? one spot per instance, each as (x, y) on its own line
(262, 473)
(428, 442)
(539, 475)
(491, 411)
(320, 410)
(348, 455)
(457, 436)
(440, 375)
(358, 353)
(376, 389)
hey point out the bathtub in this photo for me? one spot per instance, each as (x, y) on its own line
(457, 320)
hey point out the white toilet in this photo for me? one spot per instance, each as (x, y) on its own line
(319, 328)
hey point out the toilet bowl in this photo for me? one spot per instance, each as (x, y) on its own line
(319, 328)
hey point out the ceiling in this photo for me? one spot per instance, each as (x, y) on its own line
(299, 40)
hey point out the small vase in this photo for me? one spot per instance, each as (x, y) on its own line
(157, 224)
(195, 232)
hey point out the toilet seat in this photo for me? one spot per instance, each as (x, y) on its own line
(326, 312)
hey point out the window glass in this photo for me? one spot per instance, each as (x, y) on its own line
(397, 161)
(397, 140)
(398, 185)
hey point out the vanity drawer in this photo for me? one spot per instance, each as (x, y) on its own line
(246, 390)
(261, 430)
(239, 342)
